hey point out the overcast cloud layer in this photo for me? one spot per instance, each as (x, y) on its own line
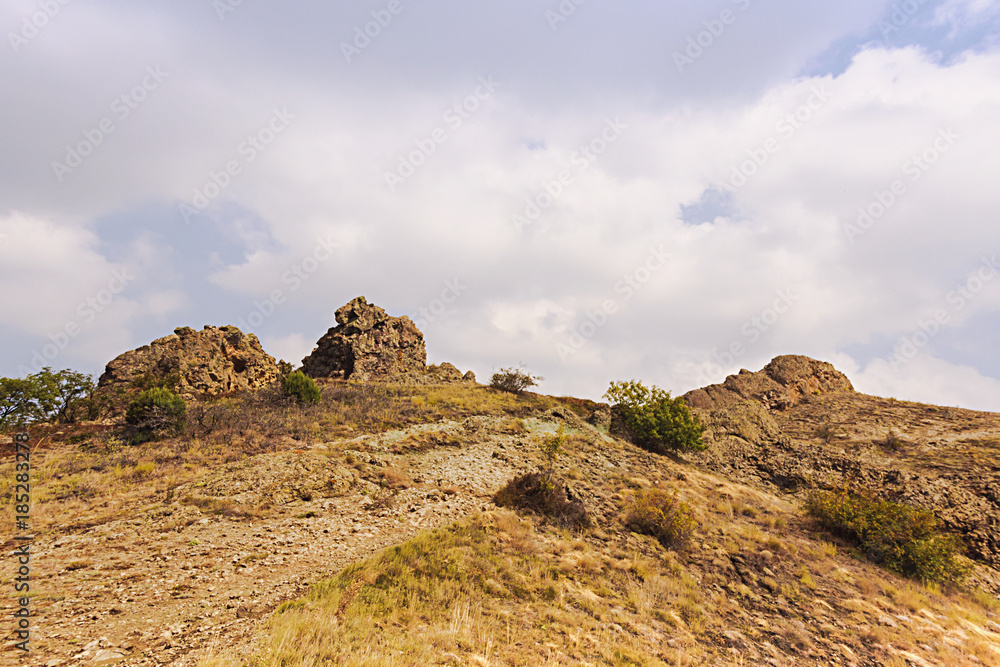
(595, 190)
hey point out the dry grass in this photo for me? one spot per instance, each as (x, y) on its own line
(446, 593)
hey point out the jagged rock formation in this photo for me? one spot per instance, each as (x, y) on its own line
(367, 343)
(798, 424)
(213, 361)
(780, 385)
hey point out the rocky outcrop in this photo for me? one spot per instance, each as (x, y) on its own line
(367, 343)
(798, 424)
(780, 385)
(213, 361)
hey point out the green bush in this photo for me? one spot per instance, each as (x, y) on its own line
(514, 380)
(661, 514)
(154, 412)
(654, 420)
(898, 537)
(302, 387)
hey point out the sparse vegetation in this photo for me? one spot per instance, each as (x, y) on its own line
(153, 413)
(901, 538)
(826, 432)
(661, 514)
(533, 492)
(514, 380)
(654, 419)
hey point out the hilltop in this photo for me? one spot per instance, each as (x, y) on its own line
(363, 529)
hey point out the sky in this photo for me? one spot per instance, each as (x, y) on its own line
(592, 191)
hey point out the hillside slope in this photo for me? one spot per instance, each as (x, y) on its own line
(177, 552)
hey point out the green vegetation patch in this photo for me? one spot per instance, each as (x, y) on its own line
(653, 419)
(901, 538)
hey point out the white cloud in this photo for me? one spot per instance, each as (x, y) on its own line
(930, 380)
(291, 348)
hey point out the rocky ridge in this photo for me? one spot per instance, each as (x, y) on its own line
(798, 424)
(367, 343)
(210, 362)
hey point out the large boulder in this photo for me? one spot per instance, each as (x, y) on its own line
(213, 361)
(367, 343)
(780, 385)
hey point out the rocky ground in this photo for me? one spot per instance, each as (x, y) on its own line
(194, 570)
(798, 424)
(174, 580)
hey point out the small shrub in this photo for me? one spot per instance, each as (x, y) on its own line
(302, 387)
(153, 412)
(662, 515)
(533, 492)
(826, 433)
(892, 442)
(514, 380)
(653, 419)
(898, 537)
(551, 448)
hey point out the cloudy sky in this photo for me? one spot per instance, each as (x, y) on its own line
(598, 191)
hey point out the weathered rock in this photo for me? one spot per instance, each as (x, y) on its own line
(780, 385)
(213, 361)
(445, 372)
(601, 417)
(367, 343)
